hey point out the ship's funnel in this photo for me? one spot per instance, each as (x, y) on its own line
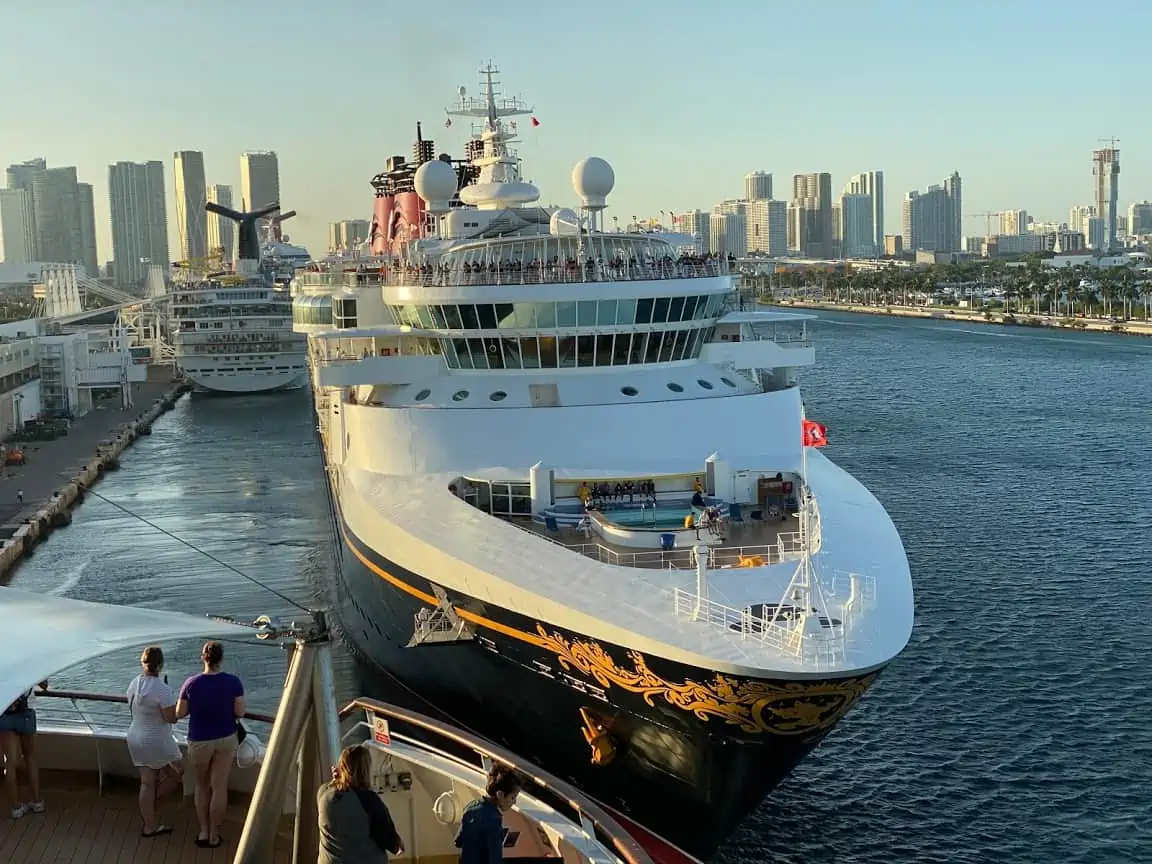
(248, 240)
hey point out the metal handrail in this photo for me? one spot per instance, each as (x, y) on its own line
(629, 849)
(79, 696)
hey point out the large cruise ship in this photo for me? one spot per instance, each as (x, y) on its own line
(232, 332)
(579, 505)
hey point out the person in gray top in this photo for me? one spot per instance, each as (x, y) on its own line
(355, 825)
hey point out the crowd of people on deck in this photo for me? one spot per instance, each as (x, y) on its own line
(598, 496)
(355, 826)
(557, 269)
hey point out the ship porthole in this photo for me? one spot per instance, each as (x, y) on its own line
(674, 387)
(422, 395)
(498, 396)
(729, 383)
(629, 391)
(707, 385)
(459, 395)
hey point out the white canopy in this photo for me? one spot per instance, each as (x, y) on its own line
(41, 635)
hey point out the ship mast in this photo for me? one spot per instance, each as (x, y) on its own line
(492, 155)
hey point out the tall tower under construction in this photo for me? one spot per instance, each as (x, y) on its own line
(1106, 170)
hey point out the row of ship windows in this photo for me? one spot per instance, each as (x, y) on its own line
(500, 395)
(547, 316)
(568, 352)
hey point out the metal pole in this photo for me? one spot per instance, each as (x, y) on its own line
(267, 805)
(306, 833)
(325, 710)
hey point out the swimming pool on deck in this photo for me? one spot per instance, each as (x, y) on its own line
(666, 515)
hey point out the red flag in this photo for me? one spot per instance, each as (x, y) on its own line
(813, 434)
(535, 122)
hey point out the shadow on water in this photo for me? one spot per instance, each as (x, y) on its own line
(1013, 726)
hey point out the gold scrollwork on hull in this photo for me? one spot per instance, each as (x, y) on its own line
(788, 708)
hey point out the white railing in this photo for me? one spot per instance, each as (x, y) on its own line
(784, 634)
(550, 274)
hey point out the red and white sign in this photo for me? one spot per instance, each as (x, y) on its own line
(380, 733)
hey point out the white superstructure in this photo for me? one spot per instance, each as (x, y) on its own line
(233, 334)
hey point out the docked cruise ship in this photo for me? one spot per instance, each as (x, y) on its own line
(232, 332)
(579, 505)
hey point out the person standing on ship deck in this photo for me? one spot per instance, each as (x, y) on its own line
(153, 749)
(18, 737)
(213, 702)
(355, 825)
(481, 836)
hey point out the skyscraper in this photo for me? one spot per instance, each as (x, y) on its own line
(259, 179)
(55, 207)
(1140, 218)
(139, 219)
(934, 220)
(871, 183)
(757, 186)
(17, 226)
(811, 229)
(1106, 169)
(857, 233)
(767, 226)
(87, 210)
(954, 217)
(221, 236)
(191, 195)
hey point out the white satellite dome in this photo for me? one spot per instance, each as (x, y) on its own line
(564, 222)
(593, 179)
(435, 182)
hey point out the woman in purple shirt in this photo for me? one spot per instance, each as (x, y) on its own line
(212, 701)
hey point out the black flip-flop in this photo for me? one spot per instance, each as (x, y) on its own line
(202, 842)
(163, 829)
(219, 842)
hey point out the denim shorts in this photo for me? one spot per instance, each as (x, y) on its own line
(22, 722)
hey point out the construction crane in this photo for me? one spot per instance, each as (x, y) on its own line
(987, 214)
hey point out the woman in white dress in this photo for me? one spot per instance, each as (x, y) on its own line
(154, 750)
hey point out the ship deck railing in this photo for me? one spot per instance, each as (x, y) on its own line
(818, 636)
(779, 546)
(786, 635)
(558, 274)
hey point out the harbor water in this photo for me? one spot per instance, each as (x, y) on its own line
(1013, 461)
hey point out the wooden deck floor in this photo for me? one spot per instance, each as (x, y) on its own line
(81, 826)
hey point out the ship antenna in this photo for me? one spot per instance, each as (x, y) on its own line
(488, 71)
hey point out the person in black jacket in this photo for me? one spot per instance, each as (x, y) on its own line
(481, 836)
(355, 825)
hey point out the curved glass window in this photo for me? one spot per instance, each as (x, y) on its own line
(312, 309)
(729, 382)
(459, 395)
(707, 385)
(498, 396)
(559, 314)
(422, 395)
(674, 387)
(629, 391)
(344, 312)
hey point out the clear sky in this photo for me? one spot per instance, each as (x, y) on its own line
(683, 98)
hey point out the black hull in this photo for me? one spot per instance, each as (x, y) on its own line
(695, 752)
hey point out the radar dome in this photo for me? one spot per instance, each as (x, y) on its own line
(435, 182)
(593, 179)
(564, 221)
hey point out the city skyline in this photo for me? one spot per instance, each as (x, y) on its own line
(1032, 153)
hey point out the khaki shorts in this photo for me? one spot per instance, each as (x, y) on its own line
(201, 752)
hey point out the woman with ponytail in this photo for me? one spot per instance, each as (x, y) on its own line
(154, 751)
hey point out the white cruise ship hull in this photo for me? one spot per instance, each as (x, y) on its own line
(245, 381)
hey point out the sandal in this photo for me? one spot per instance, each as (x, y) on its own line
(219, 842)
(162, 829)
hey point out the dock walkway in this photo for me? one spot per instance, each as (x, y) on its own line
(52, 464)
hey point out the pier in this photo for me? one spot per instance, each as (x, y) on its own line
(56, 474)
